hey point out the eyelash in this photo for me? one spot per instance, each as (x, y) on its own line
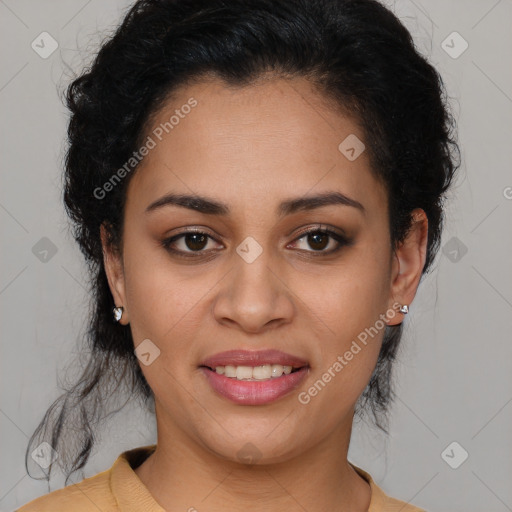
(340, 239)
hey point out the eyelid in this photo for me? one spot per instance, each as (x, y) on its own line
(166, 243)
(323, 228)
(338, 235)
(342, 239)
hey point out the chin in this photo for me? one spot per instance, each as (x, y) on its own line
(264, 446)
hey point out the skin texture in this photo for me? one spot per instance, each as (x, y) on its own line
(252, 148)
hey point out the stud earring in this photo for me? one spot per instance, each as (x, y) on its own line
(118, 313)
(404, 309)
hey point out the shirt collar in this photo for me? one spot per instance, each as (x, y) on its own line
(379, 500)
(128, 490)
(133, 496)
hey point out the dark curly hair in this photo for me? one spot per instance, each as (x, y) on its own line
(358, 55)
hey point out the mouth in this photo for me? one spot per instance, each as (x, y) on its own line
(254, 373)
(253, 358)
(254, 377)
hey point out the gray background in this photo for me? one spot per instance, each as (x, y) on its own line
(454, 376)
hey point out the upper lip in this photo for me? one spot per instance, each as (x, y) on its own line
(253, 358)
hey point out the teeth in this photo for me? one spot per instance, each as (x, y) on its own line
(262, 372)
(266, 371)
(243, 372)
(230, 371)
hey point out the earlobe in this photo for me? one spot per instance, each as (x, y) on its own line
(408, 266)
(114, 270)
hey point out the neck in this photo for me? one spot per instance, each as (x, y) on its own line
(183, 475)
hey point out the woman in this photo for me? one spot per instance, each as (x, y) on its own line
(258, 188)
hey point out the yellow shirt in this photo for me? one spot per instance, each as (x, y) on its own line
(119, 489)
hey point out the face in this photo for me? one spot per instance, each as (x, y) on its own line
(254, 273)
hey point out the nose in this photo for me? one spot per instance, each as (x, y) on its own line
(254, 297)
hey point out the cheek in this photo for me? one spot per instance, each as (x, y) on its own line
(351, 296)
(155, 296)
(347, 350)
(350, 304)
(167, 305)
(161, 305)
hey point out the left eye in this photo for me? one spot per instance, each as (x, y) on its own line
(318, 240)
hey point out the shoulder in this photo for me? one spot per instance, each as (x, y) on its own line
(113, 490)
(380, 501)
(91, 494)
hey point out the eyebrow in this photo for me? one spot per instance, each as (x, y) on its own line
(210, 206)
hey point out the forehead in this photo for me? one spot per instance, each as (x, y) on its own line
(278, 137)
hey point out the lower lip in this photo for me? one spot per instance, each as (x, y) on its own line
(254, 392)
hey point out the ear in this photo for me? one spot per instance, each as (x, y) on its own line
(115, 274)
(408, 262)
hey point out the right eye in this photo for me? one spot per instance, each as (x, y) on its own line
(192, 243)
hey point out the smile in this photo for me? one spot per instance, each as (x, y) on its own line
(264, 372)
